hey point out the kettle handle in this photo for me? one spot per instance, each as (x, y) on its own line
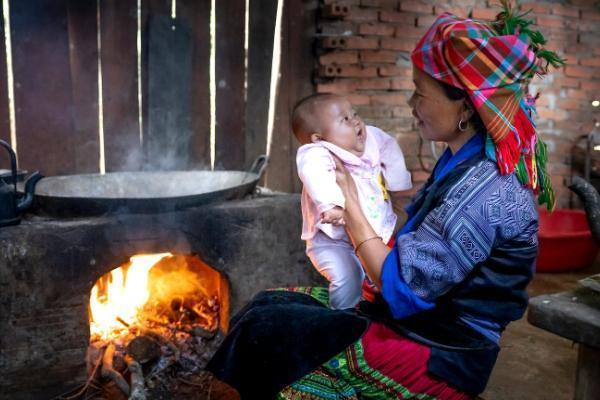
(13, 161)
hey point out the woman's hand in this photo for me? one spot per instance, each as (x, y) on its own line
(371, 252)
(345, 181)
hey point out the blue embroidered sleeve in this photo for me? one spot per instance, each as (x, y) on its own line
(453, 239)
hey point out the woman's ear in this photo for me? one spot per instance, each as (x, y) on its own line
(467, 110)
(315, 137)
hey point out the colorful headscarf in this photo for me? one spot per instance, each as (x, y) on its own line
(494, 68)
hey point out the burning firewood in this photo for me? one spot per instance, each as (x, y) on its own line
(137, 379)
(108, 372)
(143, 349)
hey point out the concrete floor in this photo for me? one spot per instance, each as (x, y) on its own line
(535, 364)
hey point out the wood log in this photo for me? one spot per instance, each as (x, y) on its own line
(143, 349)
(137, 379)
(108, 372)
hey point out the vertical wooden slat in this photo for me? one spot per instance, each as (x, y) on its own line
(84, 77)
(297, 60)
(230, 140)
(169, 93)
(260, 56)
(149, 8)
(197, 15)
(119, 75)
(42, 85)
(4, 110)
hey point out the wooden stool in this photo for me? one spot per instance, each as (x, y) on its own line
(574, 315)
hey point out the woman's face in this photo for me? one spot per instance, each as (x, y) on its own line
(437, 115)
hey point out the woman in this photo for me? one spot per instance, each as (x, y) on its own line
(457, 273)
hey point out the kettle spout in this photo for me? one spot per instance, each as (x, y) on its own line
(26, 201)
(591, 202)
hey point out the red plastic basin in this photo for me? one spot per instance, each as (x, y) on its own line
(566, 242)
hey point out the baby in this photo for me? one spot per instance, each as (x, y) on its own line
(327, 124)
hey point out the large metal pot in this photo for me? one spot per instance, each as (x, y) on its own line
(142, 192)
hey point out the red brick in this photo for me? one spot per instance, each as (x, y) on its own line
(393, 99)
(536, 8)
(579, 72)
(589, 38)
(590, 62)
(339, 86)
(348, 71)
(392, 71)
(339, 57)
(550, 21)
(566, 82)
(393, 4)
(337, 28)
(335, 10)
(590, 85)
(397, 44)
(350, 42)
(402, 111)
(378, 56)
(586, 25)
(392, 16)
(373, 84)
(484, 13)
(557, 115)
(374, 112)
(401, 83)
(590, 15)
(565, 11)
(361, 14)
(358, 99)
(407, 31)
(569, 104)
(373, 28)
(577, 94)
(344, 2)
(426, 20)
(416, 6)
(458, 11)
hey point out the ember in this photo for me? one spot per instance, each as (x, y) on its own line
(154, 323)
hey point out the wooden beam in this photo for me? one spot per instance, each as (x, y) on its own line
(197, 15)
(83, 53)
(230, 105)
(169, 93)
(297, 64)
(42, 79)
(4, 103)
(119, 82)
(260, 56)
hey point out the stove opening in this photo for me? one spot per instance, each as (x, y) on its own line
(154, 324)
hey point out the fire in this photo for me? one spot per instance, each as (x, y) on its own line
(125, 293)
(158, 292)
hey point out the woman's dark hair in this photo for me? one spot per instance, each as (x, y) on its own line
(454, 93)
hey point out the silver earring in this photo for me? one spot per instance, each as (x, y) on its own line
(461, 127)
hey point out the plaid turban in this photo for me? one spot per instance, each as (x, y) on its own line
(493, 70)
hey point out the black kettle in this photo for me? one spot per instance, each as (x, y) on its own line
(10, 203)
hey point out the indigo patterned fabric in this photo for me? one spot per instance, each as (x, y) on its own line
(482, 209)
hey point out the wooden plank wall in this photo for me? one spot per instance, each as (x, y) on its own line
(55, 59)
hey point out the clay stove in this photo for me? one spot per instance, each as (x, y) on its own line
(49, 266)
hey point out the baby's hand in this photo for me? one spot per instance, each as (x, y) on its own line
(333, 216)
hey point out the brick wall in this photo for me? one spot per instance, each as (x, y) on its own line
(363, 50)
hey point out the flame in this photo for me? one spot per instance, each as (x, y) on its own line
(116, 300)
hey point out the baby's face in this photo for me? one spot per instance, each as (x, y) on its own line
(341, 125)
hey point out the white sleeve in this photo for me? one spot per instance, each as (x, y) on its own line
(316, 170)
(395, 173)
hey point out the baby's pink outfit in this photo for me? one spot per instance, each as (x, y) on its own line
(328, 245)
